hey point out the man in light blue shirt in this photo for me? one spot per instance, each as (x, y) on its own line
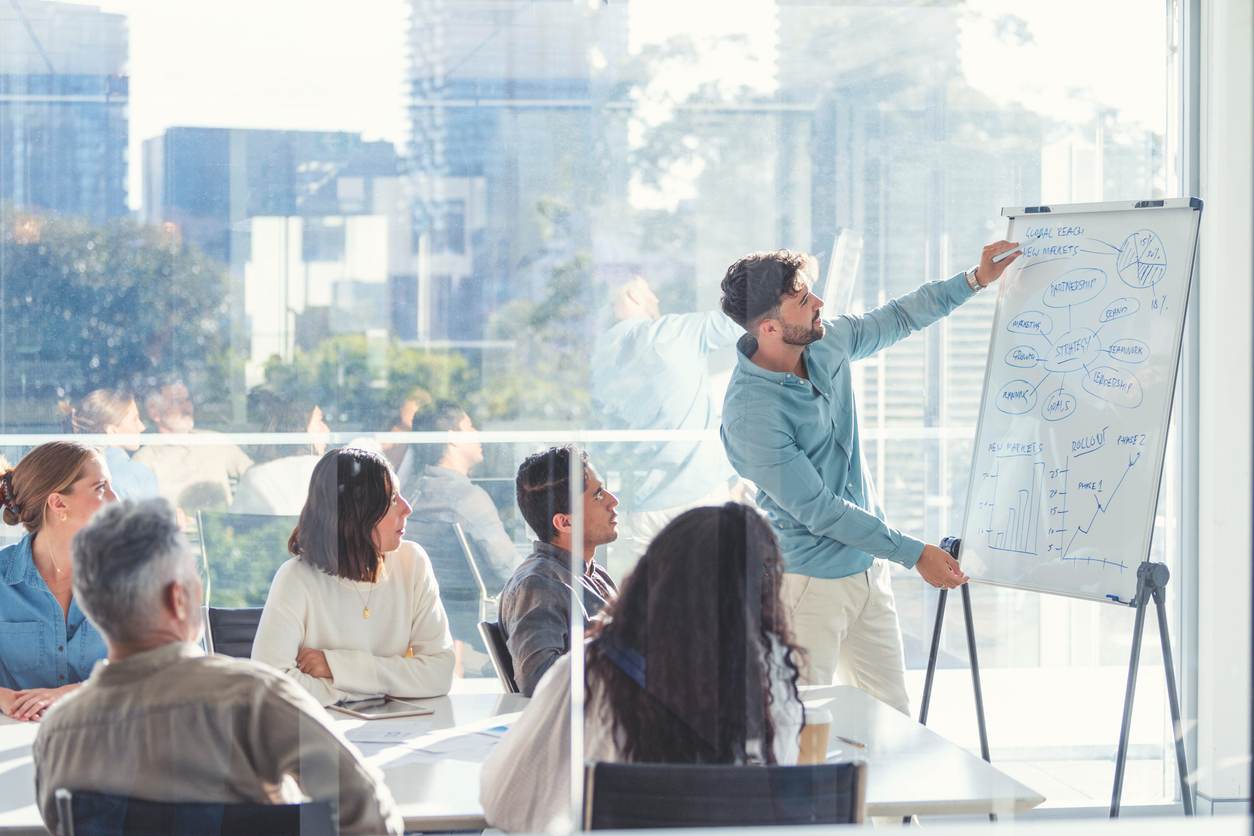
(651, 372)
(790, 425)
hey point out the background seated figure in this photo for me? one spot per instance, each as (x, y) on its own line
(660, 380)
(694, 663)
(193, 477)
(279, 478)
(535, 604)
(164, 722)
(357, 612)
(441, 492)
(47, 645)
(112, 412)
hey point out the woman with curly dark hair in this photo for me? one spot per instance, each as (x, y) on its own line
(694, 663)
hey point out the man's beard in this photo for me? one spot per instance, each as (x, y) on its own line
(796, 335)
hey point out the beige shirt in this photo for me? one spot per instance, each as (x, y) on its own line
(173, 724)
(403, 649)
(195, 478)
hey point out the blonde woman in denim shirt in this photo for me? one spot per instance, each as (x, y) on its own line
(47, 645)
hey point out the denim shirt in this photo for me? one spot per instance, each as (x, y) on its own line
(798, 439)
(39, 646)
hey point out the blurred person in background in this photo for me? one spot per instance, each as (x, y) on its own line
(416, 399)
(114, 412)
(193, 477)
(47, 645)
(356, 613)
(652, 372)
(278, 481)
(442, 493)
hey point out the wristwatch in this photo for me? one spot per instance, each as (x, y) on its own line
(975, 286)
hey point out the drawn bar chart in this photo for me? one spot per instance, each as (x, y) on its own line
(1020, 525)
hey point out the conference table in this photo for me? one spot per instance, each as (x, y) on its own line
(431, 763)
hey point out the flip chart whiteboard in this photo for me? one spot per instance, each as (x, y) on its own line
(1077, 396)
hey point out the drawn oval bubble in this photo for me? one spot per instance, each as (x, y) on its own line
(1016, 397)
(1075, 287)
(1114, 385)
(1031, 322)
(1023, 357)
(1119, 308)
(1073, 351)
(1060, 404)
(1142, 259)
(1128, 350)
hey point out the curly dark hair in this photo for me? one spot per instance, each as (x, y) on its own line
(701, 617)
(349, 492)
(542, 487)
(755, 284)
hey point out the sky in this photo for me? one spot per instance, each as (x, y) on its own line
(323, 65)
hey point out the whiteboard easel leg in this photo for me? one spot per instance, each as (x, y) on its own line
(1177, 725)
(953, 545)
(1151, 583)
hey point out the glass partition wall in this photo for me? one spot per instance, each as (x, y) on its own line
(501, 226)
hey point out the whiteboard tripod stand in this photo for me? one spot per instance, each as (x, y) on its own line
(1151, 585)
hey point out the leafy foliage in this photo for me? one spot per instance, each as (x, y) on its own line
(360, 384)
(105, 305)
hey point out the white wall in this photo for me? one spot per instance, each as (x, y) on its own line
(1226, 370)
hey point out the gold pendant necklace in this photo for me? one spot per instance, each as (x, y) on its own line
(365, 601)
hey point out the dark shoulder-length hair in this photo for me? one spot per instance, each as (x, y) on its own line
(350, 491)
(695, 641)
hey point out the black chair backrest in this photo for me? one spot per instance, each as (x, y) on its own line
(102, 814)
(631, 795)
(494, 640)
(241, 553)
(231, 631)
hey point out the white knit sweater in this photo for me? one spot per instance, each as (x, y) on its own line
(403, 649)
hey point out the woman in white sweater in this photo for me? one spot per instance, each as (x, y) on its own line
(356, 613)
(694, 664)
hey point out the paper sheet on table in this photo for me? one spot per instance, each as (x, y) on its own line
(473, 747)
(372, 732)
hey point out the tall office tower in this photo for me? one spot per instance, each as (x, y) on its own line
(507, 127)
(63, 109)
(900, 153)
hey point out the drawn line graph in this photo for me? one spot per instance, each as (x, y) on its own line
(1100, 510)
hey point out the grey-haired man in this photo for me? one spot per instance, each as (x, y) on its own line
(159, 720)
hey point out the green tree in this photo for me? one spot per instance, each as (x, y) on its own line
(103, 305)
(361, 385)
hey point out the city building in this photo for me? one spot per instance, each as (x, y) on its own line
(313, 226)
(63, 109)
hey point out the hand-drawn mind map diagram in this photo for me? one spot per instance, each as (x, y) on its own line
(1072, 340)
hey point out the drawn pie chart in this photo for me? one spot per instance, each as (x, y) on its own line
(1142, 259)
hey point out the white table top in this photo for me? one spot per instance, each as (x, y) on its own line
(911, 769)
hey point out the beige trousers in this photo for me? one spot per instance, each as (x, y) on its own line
(849, 630)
